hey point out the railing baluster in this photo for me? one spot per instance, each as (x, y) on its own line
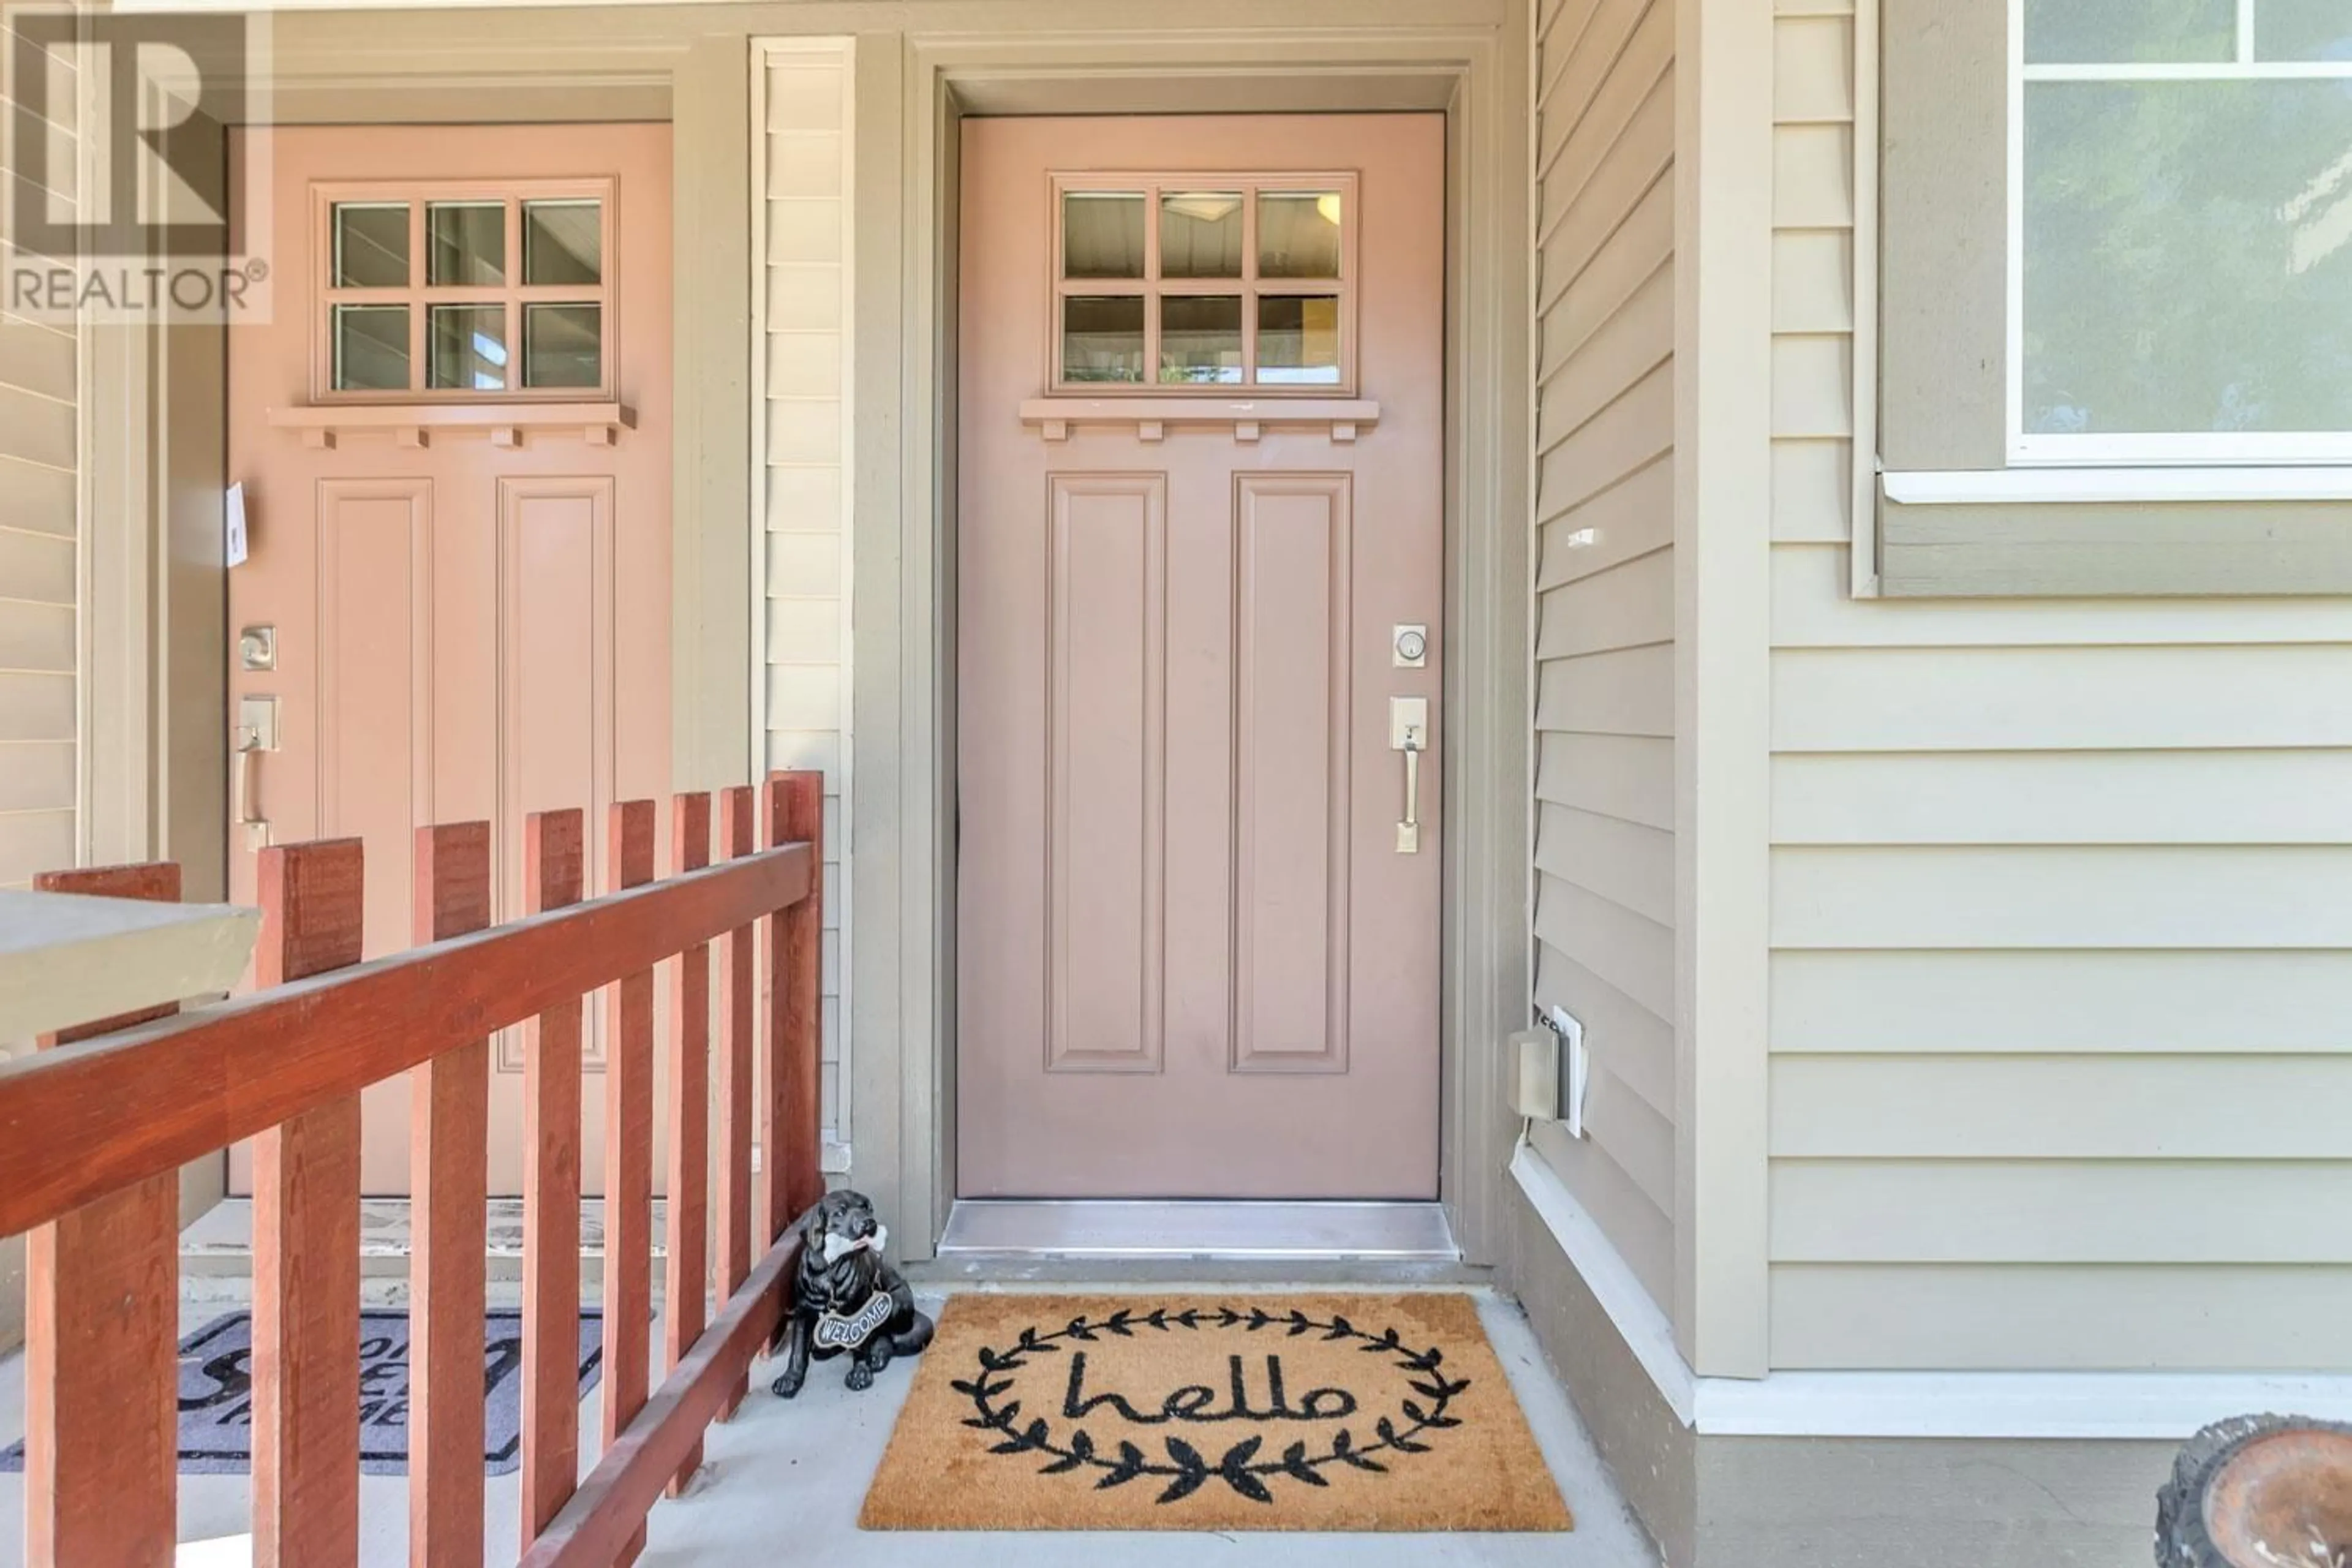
(794, 1146)
(738, 975)
(297, 1054)
(688, 1064)
(628, 1149)
(449, 1124)
(306, 1242)
(554, 845)
(102, 1469)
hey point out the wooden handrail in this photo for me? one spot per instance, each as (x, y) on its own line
(92, 1134)
(85, 1120)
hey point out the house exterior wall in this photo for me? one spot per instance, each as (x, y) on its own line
(39, 582)
(39, 628)
(2061, 945)
(1604, 709)
(804, 296)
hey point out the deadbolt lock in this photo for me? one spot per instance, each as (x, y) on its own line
(1412, 647)
(256, 648)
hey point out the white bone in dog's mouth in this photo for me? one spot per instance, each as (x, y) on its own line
(837, 1247)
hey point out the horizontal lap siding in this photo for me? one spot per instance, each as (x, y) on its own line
(2062, 905)
(1605, 847)
(39, 571)
(801, 374)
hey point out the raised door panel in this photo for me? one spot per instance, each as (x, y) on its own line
(1292, 687)
(374, 726)
(555, 661)
(1107, 783)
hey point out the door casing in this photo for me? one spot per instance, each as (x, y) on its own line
(1488, 828)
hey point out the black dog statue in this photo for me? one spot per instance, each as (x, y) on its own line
(845, 1298)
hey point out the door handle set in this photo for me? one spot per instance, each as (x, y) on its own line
(1409, 733)
(256, 732)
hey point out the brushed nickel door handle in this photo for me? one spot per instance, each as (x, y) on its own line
(1409, 733)
(257, 732)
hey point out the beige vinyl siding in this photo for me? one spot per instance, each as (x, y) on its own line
(802, 388)
(2062, 918)
(40, 827)
(39, 623)
(1604, 711)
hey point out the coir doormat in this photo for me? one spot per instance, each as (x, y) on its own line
(216, 1393)
(1325, 1412)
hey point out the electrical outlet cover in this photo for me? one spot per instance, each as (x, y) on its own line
(1535, 1085)
(1576, 1069)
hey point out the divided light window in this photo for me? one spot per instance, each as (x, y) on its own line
(2181, 244)
(1204, 281)
(468, 293)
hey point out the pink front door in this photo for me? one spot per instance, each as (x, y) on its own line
(1201, 584)
(456, 604)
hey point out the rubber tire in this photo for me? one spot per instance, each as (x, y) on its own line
(2181, 1538)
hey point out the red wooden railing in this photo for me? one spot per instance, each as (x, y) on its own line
(94, 1127)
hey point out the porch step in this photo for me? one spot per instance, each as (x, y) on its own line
(216, 1249)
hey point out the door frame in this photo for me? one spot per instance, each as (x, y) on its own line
(1490, 579)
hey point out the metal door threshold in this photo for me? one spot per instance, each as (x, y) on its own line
(1161, 1229)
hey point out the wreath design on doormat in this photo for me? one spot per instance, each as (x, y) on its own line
(1185, 1468)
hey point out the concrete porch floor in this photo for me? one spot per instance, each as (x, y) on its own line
(783, 1481)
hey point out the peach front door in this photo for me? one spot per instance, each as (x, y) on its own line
(453, 441)
(1200, 583)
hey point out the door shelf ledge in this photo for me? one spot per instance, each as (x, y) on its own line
(413, 424)
(1246, 417)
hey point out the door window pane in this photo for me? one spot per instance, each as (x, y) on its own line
(466, 346)
(563, 345)
(1102, 234)
(370, 347)
(1200, 234)
(466, 244)
(1298, 340)
(563, 243)
(1298, 234)
(2303, 31)
(1200, 338)
(2187, 256)
(2129, 32)
(370, 244)
(1102, 337)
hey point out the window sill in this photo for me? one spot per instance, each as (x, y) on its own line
(414, 424)
(2048, 487)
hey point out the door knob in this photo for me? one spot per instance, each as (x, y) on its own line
(1409, 733)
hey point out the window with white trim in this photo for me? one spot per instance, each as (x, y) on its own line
(2180, 231)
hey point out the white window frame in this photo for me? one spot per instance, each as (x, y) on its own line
(2191, 449)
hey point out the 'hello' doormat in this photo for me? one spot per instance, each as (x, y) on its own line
(216, 1393)
(1325, 1412)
